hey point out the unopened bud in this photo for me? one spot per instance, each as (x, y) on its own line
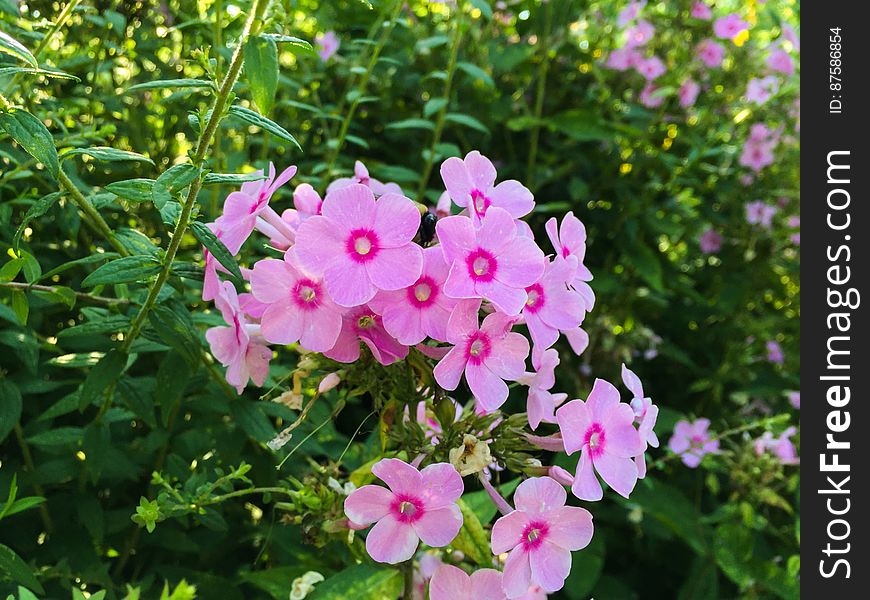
(329, 382)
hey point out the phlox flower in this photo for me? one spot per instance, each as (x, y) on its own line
(422, 309)
(780, 62)
(419, 505)
(639, 34)
(630, 13)
(688, 93)
(307, 201)
(756, 154)
(651, 68)
(701, 11)
(299, 309)
(444, 205)
(791, 35)
(238, 347)
(360, 246)
(211, 283)
(623, 59)
(794, 398)
(774, 352)
(710, 241)
(645, 414)
(539, 537)
(649, 98)
(429, 563)
(488, 354)
(362, 324)
(710, 52)
(535, 592)
(327, 45)
(692, 441)
(729, 26)
(602, 429)
(541, 404)
(569, 242)
(794, 221)
(492, 262)
(760, 213)
(781, 447)
(249, 208)
(552, 306)
(361, 176)
(471, 184)
(452, 583)
(760, 90)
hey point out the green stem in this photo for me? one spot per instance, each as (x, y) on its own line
(442, 114)
(543, 69)
(408, 576)
(49, 288)
(361, 87)
(28, 462)
(217, 42)
(248, 492)
(205, 140)
(94, 218)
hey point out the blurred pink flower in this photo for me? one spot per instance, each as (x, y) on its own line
(711, 52)
(760, 213)
(791, 35)
(647, 97)
(701, 11)
(760, 90)
(452, 583)
(774, 352)
(651, 68)
(729, 26)
(623, 59)
(688, 93)
(327, 45)
(639, 34)
(710, 241)
(419, 505)
(781, 447)
(692, 441)
(630, 13)
(540, 536)
(794, 398)
(780, 61)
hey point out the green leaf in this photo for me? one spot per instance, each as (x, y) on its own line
(107, 154)
(475, 72)
(59, 436)
(14, 568)
(433, 106)
(110, 324)
(360, 581)
(20, 306)
(32, 135)
(10, 407)
(232, 178)
(646, 264)
(276, 581)
(171, 182)
(412, 124)
(177, 330)
(586, 569)
(36, 210)
(123, 270)
(85, 260)
(215, 247)
(249, 116)
(22, 504)
(581, 124)
(466, 120)
(12, 47)
(171, 84)
(298, 45)
(132, 190)
(472, 539)
(5, 71)
(101, 376)
(261, 71)
(11, 269)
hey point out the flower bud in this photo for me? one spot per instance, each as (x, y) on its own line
(329, 382)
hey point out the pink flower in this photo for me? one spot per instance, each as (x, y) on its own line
(307, 201)
(552, 306)
(710, 241)
(729, 26)
(238, 347)
(780, 61)
(211, 283)
(471, 184)
(651, 68)
(688, 93)
(540, 536)
(710, 52)
(757, 154)
(492, 262)
(692, 441)
(649, 98)
(781, 447)
(774, 352)
(701, 11)
(362, 324)
(452, 583)
(630, 13)
(360, 246)
(794, 398)
(760, 91)
(299, 309)
(760, 213)
(444, 206)
(249, 208)
(361, 176)
(794, 221)
(422, 309)
(419, 505)
(645, 414)
(327, 45)
(623, 59)
(791, 35)
(569, 242)
(487, 355)
(602, 429)
(639, 34)
(541, 404)
(535, 593)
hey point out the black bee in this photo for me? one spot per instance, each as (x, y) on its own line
(426, 233)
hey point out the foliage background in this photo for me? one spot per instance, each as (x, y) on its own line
(528, 89)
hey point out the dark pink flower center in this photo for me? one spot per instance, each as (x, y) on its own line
(482, 265)
(479, 202)
(534, 534)
(595, 440)
(478, 347)
(536, 299)
(362, 245)
(406, 508)
(566, 252)
(698, 441)
(423, 293)
(305, 294)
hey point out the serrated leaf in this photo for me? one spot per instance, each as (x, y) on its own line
(123, 270)
(12, 47)
(107, 154)
(171, 84)
(36, 210)
(32, 135)
(101, 376)
(132, 190)
(215, 247)
(261, 71)
(252, 118)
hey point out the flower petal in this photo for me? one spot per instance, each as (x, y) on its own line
(283, 323)
(396, 268)
(487, 387)
(514, 197)
(391, 541)
(517, 573)
(439, 527)
(603, 398)
(570, 527)
(574, 419)
(497, 230)
(368, 504)
(508, 358)
(619, 473)
(397, 220)
(348, 282)
(449, 369)
(318, 244)
(539, 496)
(350, 207)
(586, 485)
(272, 280)
(456, 237)
(457, 180)
(481, 170)
(449, 583)
(550, 565)
(485, 585)
(507, 532)
(321, 330)
(521, 263)
(442, 485)
(401, 477)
